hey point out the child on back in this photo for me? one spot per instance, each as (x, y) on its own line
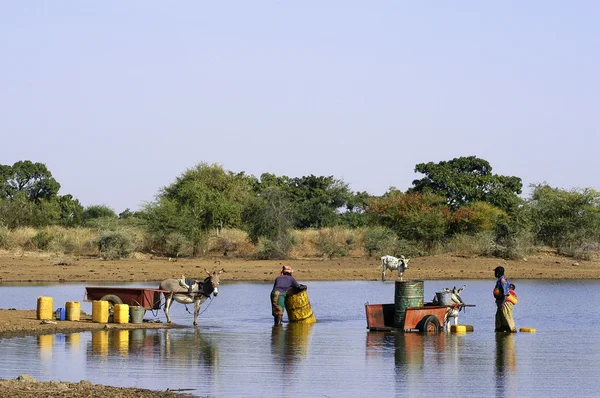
(512, 296)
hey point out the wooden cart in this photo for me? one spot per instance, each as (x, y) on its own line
(149, 299)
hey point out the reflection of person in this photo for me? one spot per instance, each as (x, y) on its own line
(283, 282)
(512, 295)
(504, 308)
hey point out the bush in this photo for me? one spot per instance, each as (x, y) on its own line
(335, 242)
(270, 250)
(480, 244)
(379, 241)
(41, 240)
(114, 244)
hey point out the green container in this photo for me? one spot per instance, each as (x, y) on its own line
(407, 294)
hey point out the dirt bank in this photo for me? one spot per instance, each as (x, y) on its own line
(33, 267)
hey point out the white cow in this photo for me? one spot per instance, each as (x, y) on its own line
(392, 263)
(452, 312)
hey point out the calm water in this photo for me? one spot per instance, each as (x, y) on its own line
(236, 352)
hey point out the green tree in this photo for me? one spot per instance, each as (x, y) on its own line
(413, 216)
(270, 216)
(34, 179)
(317, 199)
(97, 212)
(202, 199)
(466, 180)
(566, 220)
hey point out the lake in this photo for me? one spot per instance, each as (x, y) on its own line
(235, 351)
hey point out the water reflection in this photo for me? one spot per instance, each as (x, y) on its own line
(506, 363)
(73, 340)
(45, 342)
(121, 342)
(100, 342)
(289, 345)
(190, 347)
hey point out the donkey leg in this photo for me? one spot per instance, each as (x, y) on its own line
(168, 302)
(196, 310)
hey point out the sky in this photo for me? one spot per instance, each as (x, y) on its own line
(118, 99)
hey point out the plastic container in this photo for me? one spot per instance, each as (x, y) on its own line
(44, 308)
(136, 314)
(121, 313)
(73, 309)
(458, 329)
(100, 311)
(60, 314)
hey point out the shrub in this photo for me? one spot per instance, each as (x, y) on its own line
(114, 244)
(379, 241)
(41, 240)
(270, 250)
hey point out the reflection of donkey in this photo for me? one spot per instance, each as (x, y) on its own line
(198, 293)
(452, 312)
(393, 264)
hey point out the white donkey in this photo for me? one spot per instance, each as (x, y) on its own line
(392, 263)
(179, 291)
(452, 312)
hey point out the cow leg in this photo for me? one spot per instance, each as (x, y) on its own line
(168, 302)
(383, 275)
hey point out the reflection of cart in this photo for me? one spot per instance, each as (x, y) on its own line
(149, 299)
(427, 319)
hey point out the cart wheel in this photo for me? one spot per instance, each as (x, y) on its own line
(429, 325)
(112, 300)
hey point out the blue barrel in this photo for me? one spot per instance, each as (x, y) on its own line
(61, 314)
(407, 294)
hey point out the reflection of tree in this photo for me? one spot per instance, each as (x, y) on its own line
(505, 361)
(290, 344)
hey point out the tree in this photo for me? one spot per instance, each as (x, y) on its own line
(466, 180)
(413, 216)
(95, 212)
(317, 199)
(204, 198)
(567, 220)
(34, 179)
(270, 216)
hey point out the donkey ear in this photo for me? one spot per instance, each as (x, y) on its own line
(207, 271)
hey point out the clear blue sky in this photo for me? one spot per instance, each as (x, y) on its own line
(118, 98)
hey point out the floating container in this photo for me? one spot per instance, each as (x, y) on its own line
(100, 311)
(298, 306)
(469, 328)
(444, 298)
(407, 294)
(136, 314)
(60, 314)
(458, 329)
(73, 310)
(527, 330)
(121, 313)
(44, 308)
